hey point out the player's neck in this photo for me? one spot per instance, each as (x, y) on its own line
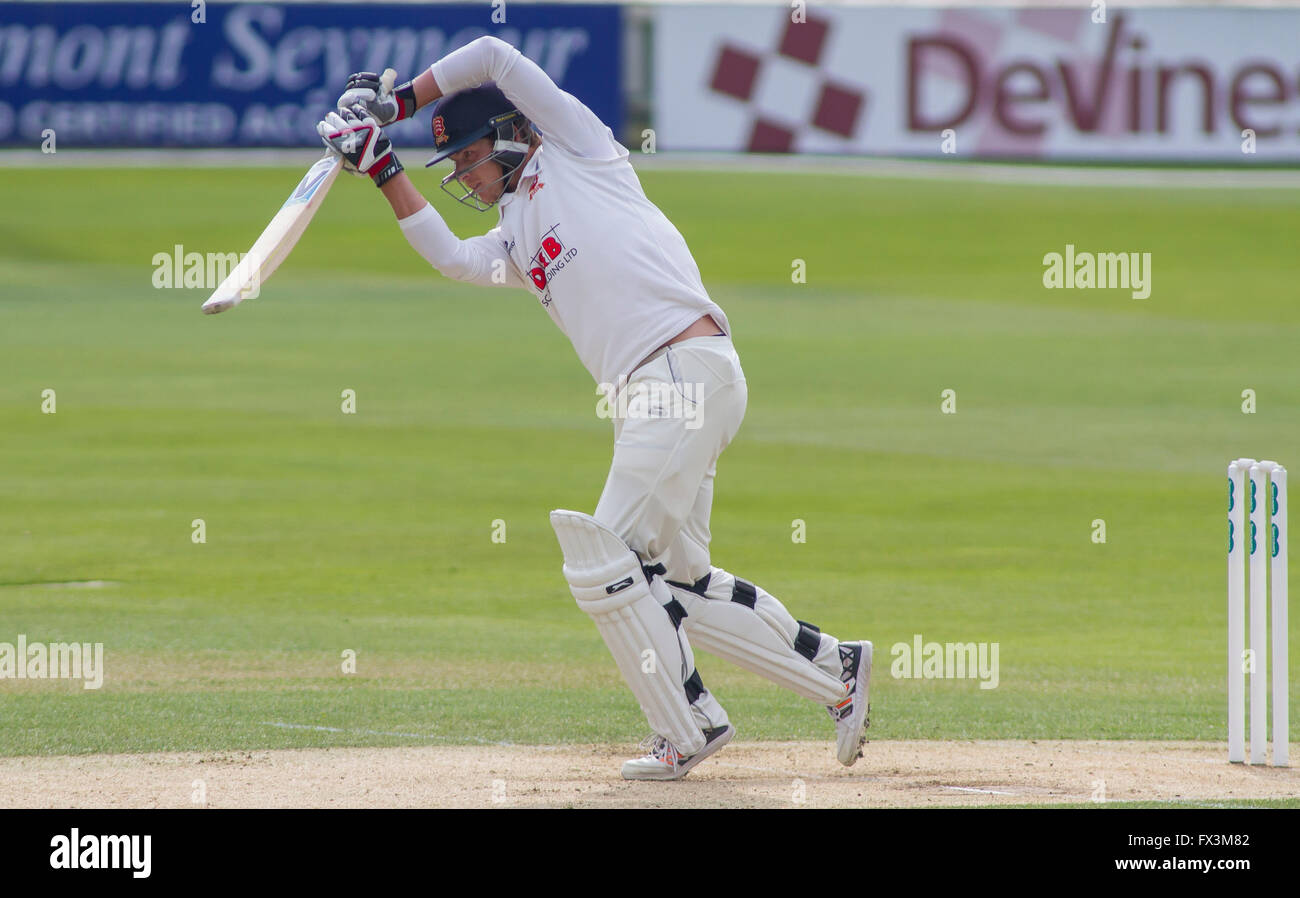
(519, 172)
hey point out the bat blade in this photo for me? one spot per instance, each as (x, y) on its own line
(275, 243)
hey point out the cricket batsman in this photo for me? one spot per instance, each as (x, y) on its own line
(576, 230)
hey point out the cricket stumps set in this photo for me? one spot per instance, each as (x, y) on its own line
(1265, 542)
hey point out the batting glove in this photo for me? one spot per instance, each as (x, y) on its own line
(385, 108)
(358, 138)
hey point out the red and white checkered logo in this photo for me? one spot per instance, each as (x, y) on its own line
(838, 107)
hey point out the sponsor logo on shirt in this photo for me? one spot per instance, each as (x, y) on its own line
(549, 259)
(537, 185)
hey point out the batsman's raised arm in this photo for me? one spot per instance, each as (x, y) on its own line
(357, 136)
(562, 117)
(489, 157)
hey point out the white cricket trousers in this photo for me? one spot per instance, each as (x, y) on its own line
(659, 495)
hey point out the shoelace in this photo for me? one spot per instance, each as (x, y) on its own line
(656, 746)
(848, 678)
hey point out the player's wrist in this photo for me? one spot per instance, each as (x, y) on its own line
(404, 94)
(385, 169)
(425, 88)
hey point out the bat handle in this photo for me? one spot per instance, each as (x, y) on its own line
(386, 82)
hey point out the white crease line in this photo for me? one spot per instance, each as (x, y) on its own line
(322, 729)
(1129, 751)
(65, 584)
(79, 584)
(982, 791)
(325, 729)
(793, 773)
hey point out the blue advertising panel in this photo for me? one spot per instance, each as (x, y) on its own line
(173, 74)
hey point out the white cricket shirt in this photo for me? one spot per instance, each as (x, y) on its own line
(578, 231)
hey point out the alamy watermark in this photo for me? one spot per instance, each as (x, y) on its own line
(945, 661)
(179, 269)
(651, 399)
(1100, 271)
(90, 852)
(53, 661)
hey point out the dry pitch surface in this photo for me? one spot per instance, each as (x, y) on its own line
(744, 775)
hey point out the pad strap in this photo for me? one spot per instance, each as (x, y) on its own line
(744, 593)
(809, 640)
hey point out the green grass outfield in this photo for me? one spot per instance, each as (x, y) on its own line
(372, 532)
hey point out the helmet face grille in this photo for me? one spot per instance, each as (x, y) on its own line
(507, 151)
(458, 190)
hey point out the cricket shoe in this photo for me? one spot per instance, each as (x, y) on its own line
(852, 715)
(664, 762)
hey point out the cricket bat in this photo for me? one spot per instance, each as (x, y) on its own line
(282, 234)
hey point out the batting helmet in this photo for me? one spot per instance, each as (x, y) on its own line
(469, 116)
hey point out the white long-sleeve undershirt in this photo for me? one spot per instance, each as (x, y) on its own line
(479, 260)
